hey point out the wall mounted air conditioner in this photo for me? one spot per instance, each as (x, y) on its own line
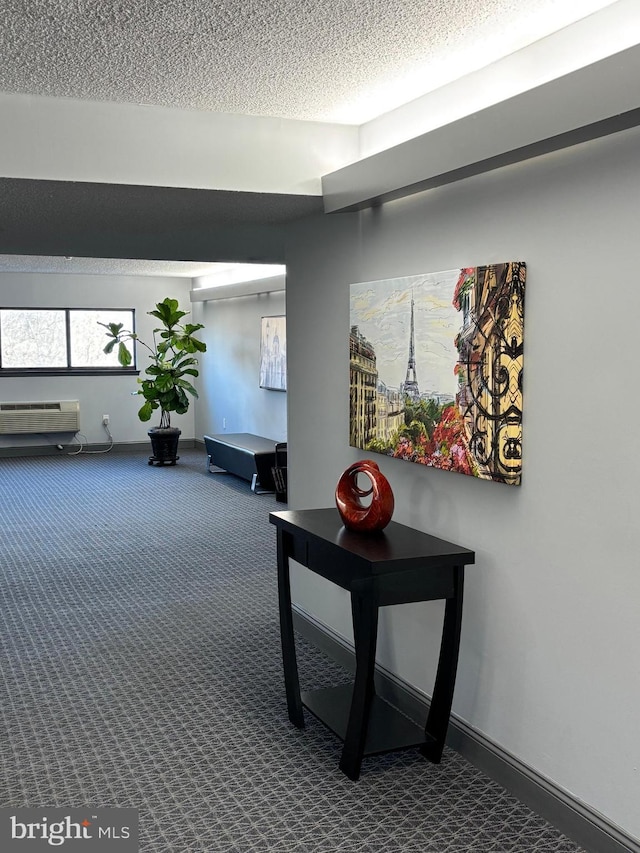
(59, 416)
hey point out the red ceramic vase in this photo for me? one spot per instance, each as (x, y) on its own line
(356, 516)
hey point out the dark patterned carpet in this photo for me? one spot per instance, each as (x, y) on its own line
(140, 667)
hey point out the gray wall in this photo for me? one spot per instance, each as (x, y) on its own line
(98, 395)
(549, 660)
(230, 397)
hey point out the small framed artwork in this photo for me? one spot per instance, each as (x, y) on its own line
(273, 353)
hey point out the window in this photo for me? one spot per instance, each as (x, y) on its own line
(59, 340)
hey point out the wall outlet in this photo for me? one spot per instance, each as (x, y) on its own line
(105, 420)
(224, 423)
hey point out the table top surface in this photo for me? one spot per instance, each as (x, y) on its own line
(394, 546)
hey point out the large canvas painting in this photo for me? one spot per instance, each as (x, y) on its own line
(436, 369)
(273, 353)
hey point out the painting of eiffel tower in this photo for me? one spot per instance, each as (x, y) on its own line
(410, 385)
(464, 329)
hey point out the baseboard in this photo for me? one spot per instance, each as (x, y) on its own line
(575, 819)
(71, 448)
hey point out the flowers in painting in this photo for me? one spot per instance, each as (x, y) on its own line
(447, 448)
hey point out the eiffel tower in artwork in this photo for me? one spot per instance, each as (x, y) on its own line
(410, 384)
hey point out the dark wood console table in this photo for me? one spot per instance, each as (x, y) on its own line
(395, 566)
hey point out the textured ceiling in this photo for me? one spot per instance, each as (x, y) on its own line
(329, 60)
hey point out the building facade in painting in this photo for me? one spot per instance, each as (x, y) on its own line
(363, 380)
(490, 347)
(389, 412)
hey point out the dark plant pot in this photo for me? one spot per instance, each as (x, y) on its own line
(164, 444)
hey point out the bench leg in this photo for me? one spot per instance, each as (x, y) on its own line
(258, 490)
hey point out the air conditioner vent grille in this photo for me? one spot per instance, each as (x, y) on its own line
(28, 407)
(38, 417)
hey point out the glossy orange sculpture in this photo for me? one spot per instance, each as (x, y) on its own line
(355, 515)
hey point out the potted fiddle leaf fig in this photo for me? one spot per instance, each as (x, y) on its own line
(172, 357)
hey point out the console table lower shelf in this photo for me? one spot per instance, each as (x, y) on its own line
(388, 729)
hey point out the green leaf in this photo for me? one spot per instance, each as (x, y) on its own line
(124, 356)
(168, 400)
(181, 361)
(182, 383)
(109, 347)
(164, 382)
(112, 328)
(148, 390)
(183, 400)
(146, 411)
(168, 313)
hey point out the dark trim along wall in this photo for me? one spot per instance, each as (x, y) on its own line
(71, 448)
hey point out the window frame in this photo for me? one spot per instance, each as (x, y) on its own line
(116, 370)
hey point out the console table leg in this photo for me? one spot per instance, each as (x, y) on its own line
(365, 627)
(289, 662)
(440, 710)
